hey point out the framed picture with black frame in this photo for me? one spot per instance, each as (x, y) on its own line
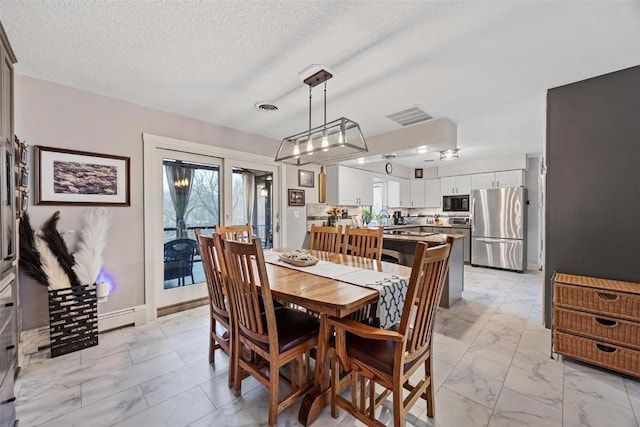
(296, 197)
(417, 173)
(70, 177)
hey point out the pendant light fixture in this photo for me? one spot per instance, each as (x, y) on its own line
(334, 140)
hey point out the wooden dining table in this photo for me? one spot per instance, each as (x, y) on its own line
(327, 297)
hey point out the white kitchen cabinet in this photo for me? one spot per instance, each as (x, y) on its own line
(433, 194)
(418, 190)
(405, 192)
(500, 179)
(349, 186)
(365, 188)
(393, 194)
(513, 178)
(454, 185)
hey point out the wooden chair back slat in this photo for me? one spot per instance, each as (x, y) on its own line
(363, 242)
(326, 239)
(240, 233)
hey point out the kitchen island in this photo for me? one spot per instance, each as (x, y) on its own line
(402, 246)
(399, 244)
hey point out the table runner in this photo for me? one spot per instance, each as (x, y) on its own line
(391, 288)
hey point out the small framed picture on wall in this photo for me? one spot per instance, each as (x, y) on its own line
(305, 179)
(296, 197)
(417, 173)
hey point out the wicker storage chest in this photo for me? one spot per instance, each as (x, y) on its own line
(597, 321)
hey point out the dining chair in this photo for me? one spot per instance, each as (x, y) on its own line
(276, 337)
(241, 233)
(179, 256)
(325, 239)
(363, 242)
(218, 305)
(389, 358)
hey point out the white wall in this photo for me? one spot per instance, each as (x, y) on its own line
(532, 183)
(296, 217)
(58, 116)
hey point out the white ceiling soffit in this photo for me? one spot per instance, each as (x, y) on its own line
(214, 60)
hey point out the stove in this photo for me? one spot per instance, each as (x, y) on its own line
(459, 220)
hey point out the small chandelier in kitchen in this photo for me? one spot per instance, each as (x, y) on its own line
(329, 141)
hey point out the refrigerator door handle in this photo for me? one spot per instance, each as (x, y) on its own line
(473, 211)
(486, 240)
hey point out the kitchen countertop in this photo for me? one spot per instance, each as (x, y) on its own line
(434, 238)
(399, 227)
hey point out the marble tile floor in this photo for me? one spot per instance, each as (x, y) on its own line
(491, 362)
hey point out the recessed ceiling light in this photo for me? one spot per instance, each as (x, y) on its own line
(361, 160)
(451, 154)
(423, 149)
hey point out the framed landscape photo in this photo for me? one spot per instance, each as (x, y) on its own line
(69, 177)
(296, 197)
(305, 179)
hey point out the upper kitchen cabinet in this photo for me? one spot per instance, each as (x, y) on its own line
(453, 185)
(349, 186)
(418, 190)
(393, 194)
(433, 195)
(399, 193)
(405, 192)
(513, 178)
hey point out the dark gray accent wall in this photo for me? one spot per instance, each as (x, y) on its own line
(593, 179)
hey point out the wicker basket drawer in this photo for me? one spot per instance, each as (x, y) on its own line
(605, 328)
(602, 301)
(606, 355)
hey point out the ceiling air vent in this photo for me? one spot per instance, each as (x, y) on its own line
(409, 116)
(389, 156)
(265, 106)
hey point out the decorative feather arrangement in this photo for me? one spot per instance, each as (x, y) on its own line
(56, 276)
(49, 233)
(92, 239)
(29, 255)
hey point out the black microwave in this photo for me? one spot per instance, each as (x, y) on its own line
(455, 203)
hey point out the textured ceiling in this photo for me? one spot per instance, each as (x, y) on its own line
(484, 65)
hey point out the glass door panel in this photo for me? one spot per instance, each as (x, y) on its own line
(191, 200)
(252, 201)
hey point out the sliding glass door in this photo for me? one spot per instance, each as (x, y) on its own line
(252, 196)
(191, 200)
(189, 186)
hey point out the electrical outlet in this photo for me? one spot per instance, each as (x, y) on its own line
(296, 214)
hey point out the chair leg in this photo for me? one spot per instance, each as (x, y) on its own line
(212, 342)
(431, 401)
(236, 353)
(398, 407)
(274, 377)
(335, 385)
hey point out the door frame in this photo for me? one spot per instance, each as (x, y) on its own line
(152, 191)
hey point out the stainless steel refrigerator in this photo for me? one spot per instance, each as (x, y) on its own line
(499, 228)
